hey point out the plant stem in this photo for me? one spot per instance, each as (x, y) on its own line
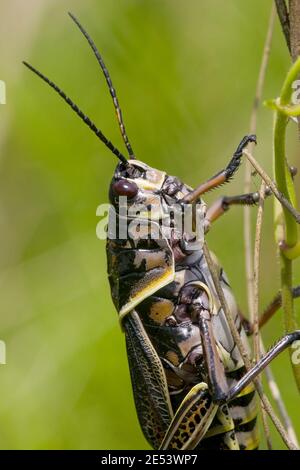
(294, 20)
(285, 224)
(281, 198)
(256, 332)
(290, 321)
(282, 179)
(247, 184)
(284, 20)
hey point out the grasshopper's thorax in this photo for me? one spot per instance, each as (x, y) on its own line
(151, 198)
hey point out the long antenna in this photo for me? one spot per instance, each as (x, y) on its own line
(75, 108)
(109, 83)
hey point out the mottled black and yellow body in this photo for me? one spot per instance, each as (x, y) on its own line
(155, 286)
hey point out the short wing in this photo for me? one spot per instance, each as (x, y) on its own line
(148, 380)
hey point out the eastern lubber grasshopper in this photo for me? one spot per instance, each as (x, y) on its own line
(190, 386)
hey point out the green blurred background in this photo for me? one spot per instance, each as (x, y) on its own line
(185, 73)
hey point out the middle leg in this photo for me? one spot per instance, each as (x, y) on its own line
(222, 205)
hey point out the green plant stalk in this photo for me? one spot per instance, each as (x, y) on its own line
(285, 184)
(283, 177)
(290, 321)
(282, 173)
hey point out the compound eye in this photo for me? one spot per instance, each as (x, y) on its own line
(125, 188)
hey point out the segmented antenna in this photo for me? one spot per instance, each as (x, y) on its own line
(75, 108)
(109, 83)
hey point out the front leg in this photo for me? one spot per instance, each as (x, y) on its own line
(222, 176)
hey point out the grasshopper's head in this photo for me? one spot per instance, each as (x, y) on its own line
(145, 187)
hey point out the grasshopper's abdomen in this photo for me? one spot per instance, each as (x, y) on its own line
(176, 338)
